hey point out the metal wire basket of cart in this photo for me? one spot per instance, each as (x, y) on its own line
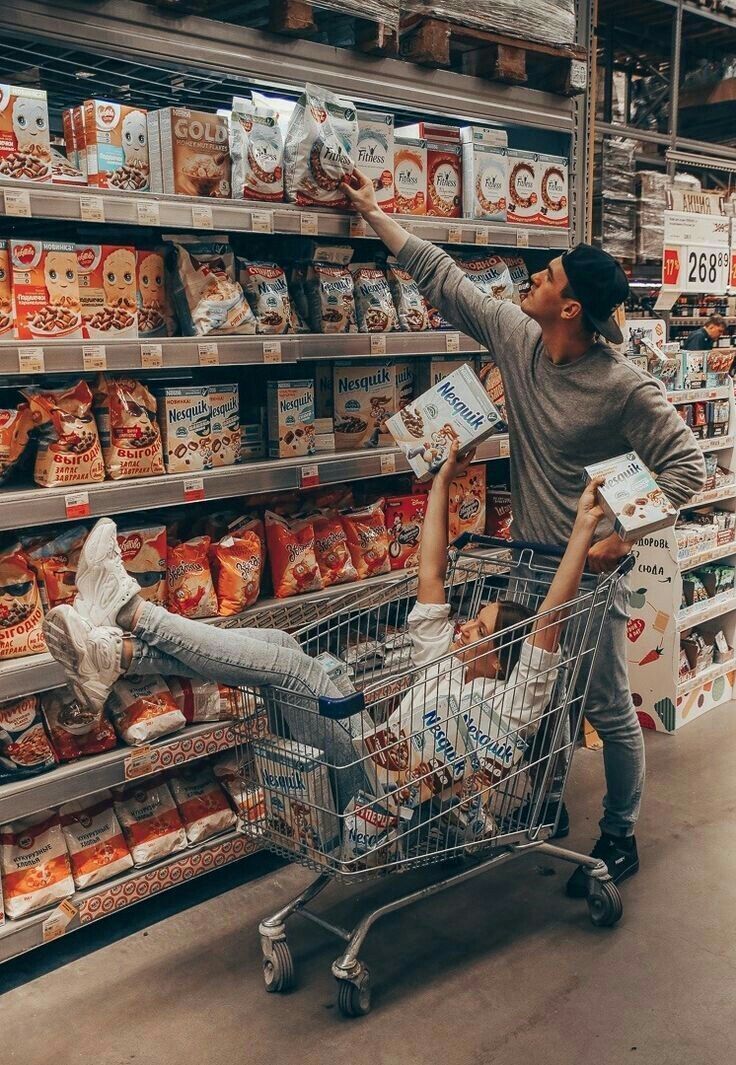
(422, 766)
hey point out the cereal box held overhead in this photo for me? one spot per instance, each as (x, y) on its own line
(631, 497)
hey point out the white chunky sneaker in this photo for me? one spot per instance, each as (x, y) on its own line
(91, 657)
(103, 584)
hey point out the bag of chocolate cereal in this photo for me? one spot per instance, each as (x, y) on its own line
(374, 303)
(321, 141)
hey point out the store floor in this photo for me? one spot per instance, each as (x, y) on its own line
(504, 969)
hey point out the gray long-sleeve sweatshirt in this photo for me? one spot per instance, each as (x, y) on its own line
(561, 418)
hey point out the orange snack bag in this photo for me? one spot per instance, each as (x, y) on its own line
(35, 864)
(294, 567)
(14, 428)
(67, 744)
(331, 549)
(250, 523)
(368, 540)
(6, 292)
(55, 566)
(150, 821)
(69, 449)
(20, 608)
(404, 521)
(237, 562)
(143, 709)
(145, 551)
(129, 432)
(190, 591)
(95, 841)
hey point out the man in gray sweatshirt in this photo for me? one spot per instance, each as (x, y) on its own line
(571, 400)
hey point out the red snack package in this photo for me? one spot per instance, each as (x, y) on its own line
(237, 562)
(191, 592)
(69, 449)
(55, 566)
(129, 432)
(250, 523)
(20, 608)
(404, 521)
(368, 540)
(145, 551)
(331, 549)
(294, 567)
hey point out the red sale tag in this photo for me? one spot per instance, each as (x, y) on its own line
(77, 505)
(193, 490)
(671, 267)
(732, 270)
(309, 476)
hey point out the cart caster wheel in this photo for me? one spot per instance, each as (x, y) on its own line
(354, 1000)
(605, 905)
(278, 969)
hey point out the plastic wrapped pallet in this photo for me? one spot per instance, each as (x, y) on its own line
(550, 21)
(651, 204)
(615, 198)
(386, 11)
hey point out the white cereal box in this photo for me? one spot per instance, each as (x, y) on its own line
(410, 175)
(457, 408)
(184, 419)
(494, 138)
(631, 497)
(364, 400)
(524, 177)
(300, 808)
(375, 154)
(485, 181)
(225, 424)
(290, 419)
(554, 196)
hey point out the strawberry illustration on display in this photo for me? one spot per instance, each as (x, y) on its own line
(634, 628)
(653, 656)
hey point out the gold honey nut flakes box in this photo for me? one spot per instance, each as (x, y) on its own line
(631, 497)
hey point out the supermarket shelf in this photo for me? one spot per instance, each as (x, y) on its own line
(706, 677)
(729, 319)
(240, 216)
(77, 779)
(17, 937)
(26, 507)
(716, 495)
(717, 443)
(706, 611)
(68, 356)
(700, 395)
(712, 555)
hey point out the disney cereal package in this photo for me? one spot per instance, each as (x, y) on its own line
(404, 522)
(45, 282)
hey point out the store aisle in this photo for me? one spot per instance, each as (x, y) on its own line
(505, 969)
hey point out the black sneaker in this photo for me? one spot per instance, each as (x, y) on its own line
(622, 861)
(520, 817)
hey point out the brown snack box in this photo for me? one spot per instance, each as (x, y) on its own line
(189, 152)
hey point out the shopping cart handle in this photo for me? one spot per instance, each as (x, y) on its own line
(339, 709)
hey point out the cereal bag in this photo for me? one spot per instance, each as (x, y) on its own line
(107, 291)
(238, 778)
(331, 295)
(256, 152)
(468, 503)
(20, 608)
(490, 276)
(202, 804)
(61, 714)
(370, 833)
(6, 293)
(35, 865)
(15, 426)
(491, 377)
(129, 434)
(55, 566)
(237, 562)
(143, 709)
(24, 748)
(25, 145)
(374, 303)
(264, 285)
(368, 540)
(209, 300)
(94, 839)
(331, 549)
(294, 566)
(498, 513)
(69, 449)
(404, 521)
(319, 148)
(410, 307)
(150, 821)
(156, 316)
(45, 280)
(191, 592)
(144, 550)
(202, 700)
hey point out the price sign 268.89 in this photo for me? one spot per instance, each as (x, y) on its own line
(706, 269)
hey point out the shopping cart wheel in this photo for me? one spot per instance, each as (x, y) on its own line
(354, 996)
(278, 968)
(605, 905)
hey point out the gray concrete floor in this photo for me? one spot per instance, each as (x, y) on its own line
(504, 969)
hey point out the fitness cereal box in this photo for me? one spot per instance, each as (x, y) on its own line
(485, 181)
(107, 291)
(457, 408)
(185, 422)
(290, 418)
(25, 146)
(444, 179)
(116, 146)
(375, 154)
(45, 283)
(410, 175)
(189, 152)
(524, 187)
(554, 197)
(631, 497)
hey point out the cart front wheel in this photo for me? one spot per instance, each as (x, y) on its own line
(354, 999)
(278, 968)
(605, 905)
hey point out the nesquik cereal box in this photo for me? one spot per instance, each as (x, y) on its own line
(6, 292)
(25, 146)
(524, 187)
(436, 369)
(185, 423)
(364, 400)
(107, 291)
(45, 283)
(631, 497)
(290, 418)
(410, 175)
(116, 146)
(225, 418)
(457, 408)
(299, 804)
(375, 154)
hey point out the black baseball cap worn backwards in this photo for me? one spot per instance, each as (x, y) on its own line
(599, 285)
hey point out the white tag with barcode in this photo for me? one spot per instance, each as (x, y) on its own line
(152, 356)
(388, 464)
(452, 342)
(209, 354)
(454, 235)
(202, 216)
(309, 225)
(31, 360)
(522, 238)
(261, 221)
(17, 203)
(91, 208)
(272, 351)
(149, 213)
(358, 227)
(94, 357)
(481, 236)
(378, 343)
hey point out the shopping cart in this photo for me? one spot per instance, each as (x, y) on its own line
(424, 766)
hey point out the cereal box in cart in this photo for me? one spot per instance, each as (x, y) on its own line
(45, 282)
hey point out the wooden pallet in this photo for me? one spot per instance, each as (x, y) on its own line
(300, 18)
(440, 43)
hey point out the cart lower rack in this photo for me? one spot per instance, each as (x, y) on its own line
(459, 758)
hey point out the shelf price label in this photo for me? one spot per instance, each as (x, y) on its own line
(94, 357)
(31, 360)
(388, 463)
(452, 342)
(261, 221)
(272, 351)
(522, 238)
(202, 216)
(152, 356)
(309, 476)
(17, 203)
(76, 505)
(140, 762)
(149, 213)
(193, 490)
(309, 225)
(503, 447)
(358, 227)
(91, 209)
(378, 343)
(454, 235)
(706, 269)
(481, 236)
(58, 921)
(209, 354)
